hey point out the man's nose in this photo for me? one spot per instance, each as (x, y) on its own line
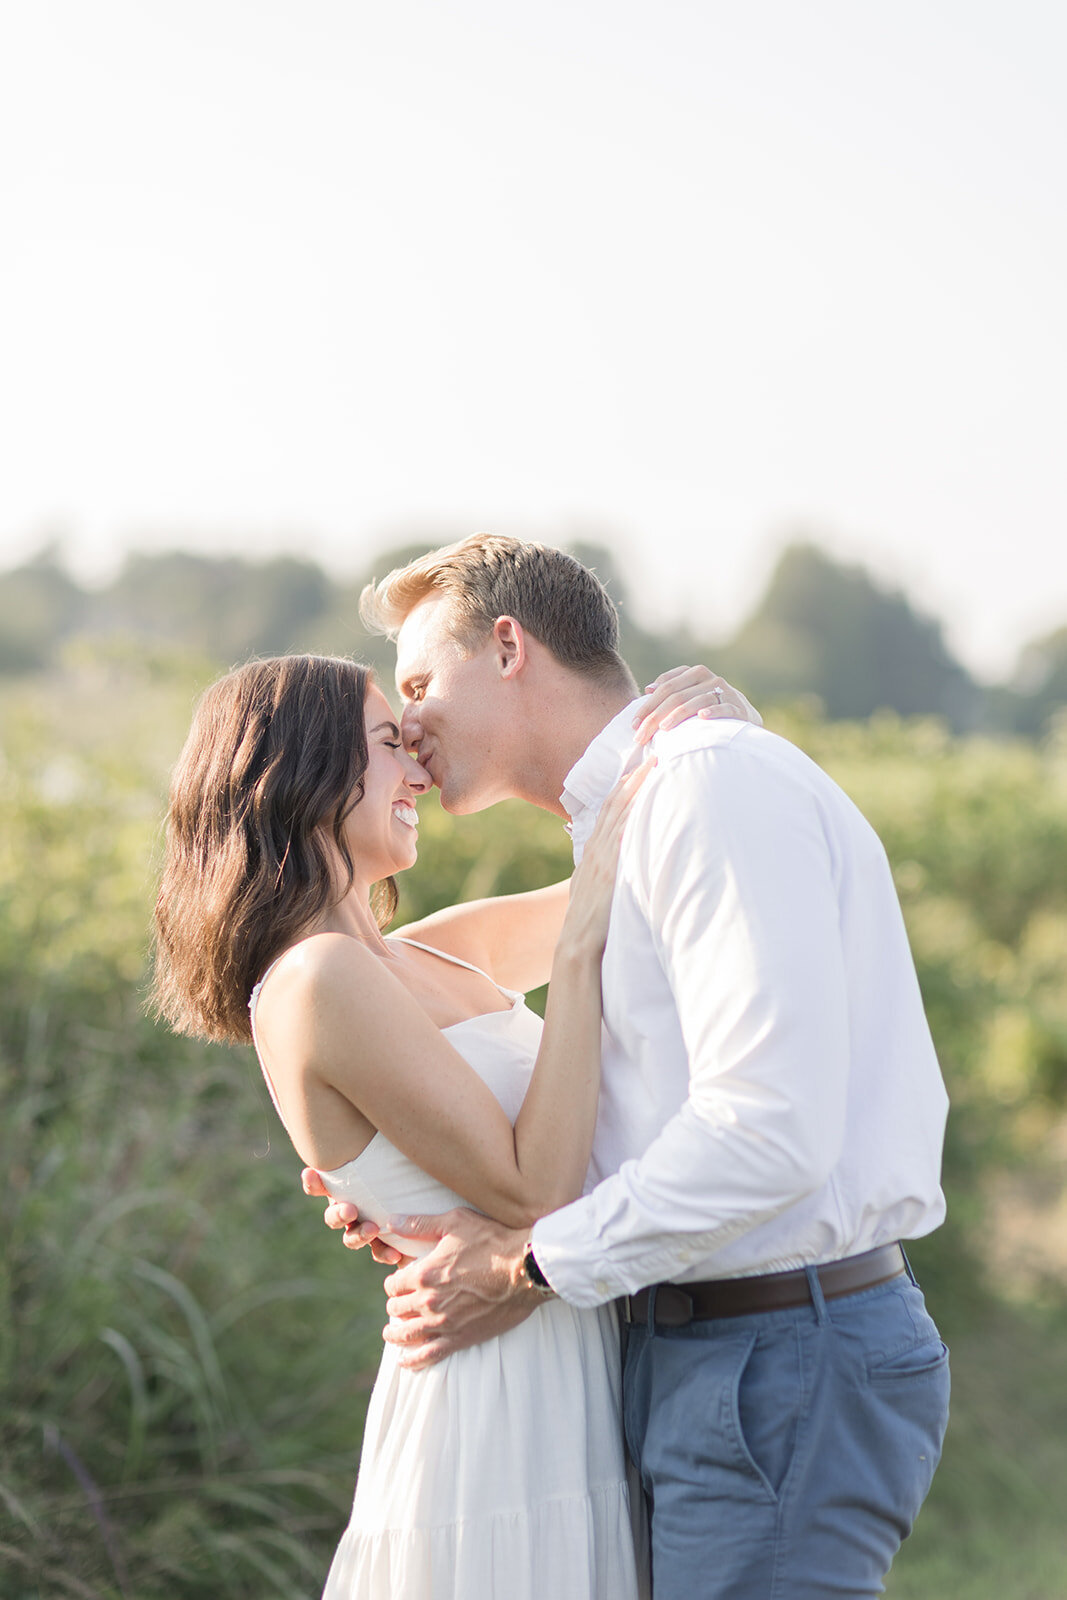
(410, 728)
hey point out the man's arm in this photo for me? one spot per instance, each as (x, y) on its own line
(730, 865)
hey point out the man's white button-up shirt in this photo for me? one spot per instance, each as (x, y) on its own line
(770, 1094)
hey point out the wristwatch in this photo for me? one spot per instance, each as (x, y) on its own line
(533, 1274)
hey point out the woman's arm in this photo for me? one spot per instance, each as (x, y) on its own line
(512, 936)
(334, 1017)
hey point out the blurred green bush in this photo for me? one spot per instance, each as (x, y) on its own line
(185, 1353)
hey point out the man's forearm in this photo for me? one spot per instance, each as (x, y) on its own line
(658, 1216)
(471, 1287)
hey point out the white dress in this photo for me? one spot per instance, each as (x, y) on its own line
(499, 1473)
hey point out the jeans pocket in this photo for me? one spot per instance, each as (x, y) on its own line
(764, 1408)
(907, 1404)
(929, 1358)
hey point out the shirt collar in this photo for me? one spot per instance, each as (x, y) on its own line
(595, 773)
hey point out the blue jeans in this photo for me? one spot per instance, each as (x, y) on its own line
(785, 1454)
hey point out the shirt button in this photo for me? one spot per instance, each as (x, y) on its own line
(602, 1287)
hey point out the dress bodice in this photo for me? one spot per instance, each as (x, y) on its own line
(500, 1468)
(500, 1046)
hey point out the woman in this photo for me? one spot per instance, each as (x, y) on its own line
(409, 1073)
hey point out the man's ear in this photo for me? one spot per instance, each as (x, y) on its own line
(509, 646)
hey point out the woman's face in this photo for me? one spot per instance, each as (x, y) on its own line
(382, 828)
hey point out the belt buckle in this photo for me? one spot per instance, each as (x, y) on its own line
(674, 1307)
(671, 1306)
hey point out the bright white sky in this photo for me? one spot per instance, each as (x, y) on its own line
(698, 274)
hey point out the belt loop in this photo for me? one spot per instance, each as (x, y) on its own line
(652, 1293)
(907, 1267)
(815, 1290)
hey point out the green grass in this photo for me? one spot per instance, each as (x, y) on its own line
(995, 1525)
(185, 1355)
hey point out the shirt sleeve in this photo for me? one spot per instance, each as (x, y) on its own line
(732, 868)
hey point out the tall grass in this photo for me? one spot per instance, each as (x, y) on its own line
(184, 1352)
(184, 1361)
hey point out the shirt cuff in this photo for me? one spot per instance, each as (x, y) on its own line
(565, 1244)
(566, 1270)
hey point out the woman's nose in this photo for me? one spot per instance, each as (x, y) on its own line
(416, 777)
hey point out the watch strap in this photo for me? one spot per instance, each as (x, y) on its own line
(533, 1272)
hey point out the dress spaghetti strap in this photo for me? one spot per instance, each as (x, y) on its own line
(456, 961)
(511, 995)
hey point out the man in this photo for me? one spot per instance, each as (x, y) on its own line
(771, 1114)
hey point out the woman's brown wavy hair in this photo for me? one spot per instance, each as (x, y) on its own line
(274, 762)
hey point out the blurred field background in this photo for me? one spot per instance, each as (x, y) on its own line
(757, 308)
(185, 1353)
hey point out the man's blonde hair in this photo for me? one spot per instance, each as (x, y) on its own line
(557, 600)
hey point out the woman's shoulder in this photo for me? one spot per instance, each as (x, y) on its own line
(320, 969)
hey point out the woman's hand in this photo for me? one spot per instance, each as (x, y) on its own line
(343, 1214)
(686, 692)
(585, 927)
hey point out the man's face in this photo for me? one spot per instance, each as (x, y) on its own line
(454, 709)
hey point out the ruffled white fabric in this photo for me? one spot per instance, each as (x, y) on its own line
(498, 1474)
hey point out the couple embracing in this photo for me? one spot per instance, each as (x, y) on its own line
(731, 1118)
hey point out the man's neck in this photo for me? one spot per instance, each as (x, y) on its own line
(558, 742)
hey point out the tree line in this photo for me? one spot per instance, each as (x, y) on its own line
(822, 631)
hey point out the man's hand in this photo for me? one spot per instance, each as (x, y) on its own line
(343, 1214)
(469, 1288)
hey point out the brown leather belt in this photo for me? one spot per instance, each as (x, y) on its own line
(680, 1303)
